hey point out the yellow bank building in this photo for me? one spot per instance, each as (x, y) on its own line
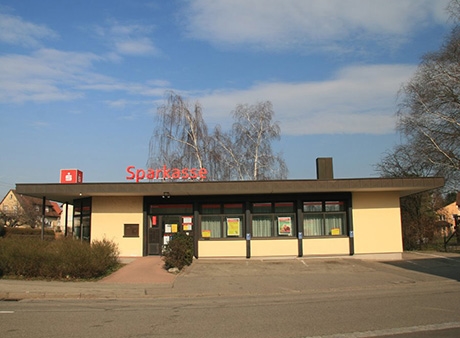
(242, 219)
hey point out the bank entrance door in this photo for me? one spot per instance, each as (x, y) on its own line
(162, 228)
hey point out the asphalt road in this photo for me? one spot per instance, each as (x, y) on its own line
(415, 297)
(400, 311)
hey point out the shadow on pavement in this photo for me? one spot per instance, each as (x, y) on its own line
(446, 267)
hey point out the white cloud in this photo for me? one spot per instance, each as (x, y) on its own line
(48, 75)
(45, 75)
(275, 24)
(130, 39)
(14, 30)
(360, 99)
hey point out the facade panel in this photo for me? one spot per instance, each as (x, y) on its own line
(377, 223)
(275, 247)
(326, 246)
(109, 217)
(234, 248)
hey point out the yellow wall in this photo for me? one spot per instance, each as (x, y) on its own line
(207, 248)
(326, 246)
(109, 214)
(377, 222)
(274, 247)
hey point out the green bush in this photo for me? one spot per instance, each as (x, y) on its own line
(30, 257)
(179, 251)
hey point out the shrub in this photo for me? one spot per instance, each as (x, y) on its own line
(179, 251)
(30, 232)
(30, 257)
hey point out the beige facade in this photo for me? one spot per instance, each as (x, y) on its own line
(275, 247)
(326, 246)
(110, 214)
(377, 223)
(228, 249)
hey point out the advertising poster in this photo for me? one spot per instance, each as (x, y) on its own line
(174, 228)
(206, 233)
(284, 225)
(187, 223)
(233, 226)
(335, 231)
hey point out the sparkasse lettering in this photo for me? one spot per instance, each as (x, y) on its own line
(165, 173)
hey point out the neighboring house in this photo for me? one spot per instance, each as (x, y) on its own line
(21, 210)
(446, 214)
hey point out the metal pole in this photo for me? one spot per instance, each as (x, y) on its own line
(66, 218)
(43, 217)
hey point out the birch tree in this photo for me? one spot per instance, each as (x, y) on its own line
(180, 138)
(253, 133)
(429, 112)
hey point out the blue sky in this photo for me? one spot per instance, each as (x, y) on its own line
(80, 81)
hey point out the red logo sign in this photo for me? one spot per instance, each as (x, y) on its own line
(71, 176)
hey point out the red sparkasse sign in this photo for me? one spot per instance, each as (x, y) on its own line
(165, 173)
(71, 176)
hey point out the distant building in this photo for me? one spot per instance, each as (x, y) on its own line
(22, 210)
(447, 217)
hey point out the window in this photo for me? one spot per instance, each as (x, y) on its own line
(273, 219)
(131, 230)
(82, 219)
(222, 220)
(324, 218)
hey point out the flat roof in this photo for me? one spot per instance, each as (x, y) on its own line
(66, 193)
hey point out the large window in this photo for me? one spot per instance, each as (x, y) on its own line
(324, 218)
(82, 219)
(222, 220)
(273, 219)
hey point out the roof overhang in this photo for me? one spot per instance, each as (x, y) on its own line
(66, 193)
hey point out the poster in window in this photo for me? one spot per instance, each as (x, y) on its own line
(284, 226)
(154, 221)
(206, 233)
(174, 228)
(233, 227)
(335, 231)
(187, 223)
(168, 228)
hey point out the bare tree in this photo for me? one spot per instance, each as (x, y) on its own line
(181, 137)
(429, 114)
(429, 122)
(253, 133)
